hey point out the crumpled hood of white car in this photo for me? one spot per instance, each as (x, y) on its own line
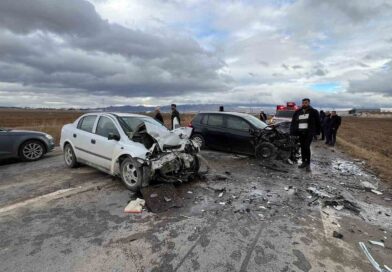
(178, 136)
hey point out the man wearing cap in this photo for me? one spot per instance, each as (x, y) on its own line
(305, 124)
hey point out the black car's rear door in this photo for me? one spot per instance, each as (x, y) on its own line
(215, 132)
(238, 134)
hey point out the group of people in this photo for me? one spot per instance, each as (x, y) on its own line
(175, 116)
(330, 123)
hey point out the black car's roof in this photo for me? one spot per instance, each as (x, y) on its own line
(239, 114)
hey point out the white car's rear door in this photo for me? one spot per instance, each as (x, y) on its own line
(83, 138)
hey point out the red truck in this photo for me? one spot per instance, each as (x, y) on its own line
(284, 112)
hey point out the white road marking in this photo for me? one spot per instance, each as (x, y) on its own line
(36, 199)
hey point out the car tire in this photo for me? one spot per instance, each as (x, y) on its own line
(198, 138)
(70, 157)
(32, 150)
(265, 151)
(131, 174)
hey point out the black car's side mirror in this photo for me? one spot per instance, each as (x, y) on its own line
(113, 136)
(251, 131)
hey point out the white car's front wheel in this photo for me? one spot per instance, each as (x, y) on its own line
(131, 174)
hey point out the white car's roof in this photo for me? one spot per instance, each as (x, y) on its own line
(122, 114)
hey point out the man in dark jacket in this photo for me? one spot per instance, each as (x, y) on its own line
(305, 124)
(158, 115)
(336, 120)
(263, 116)
(175, 115)
(327, 128)
(322, 116)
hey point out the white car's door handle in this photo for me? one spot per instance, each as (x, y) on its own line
(93, 141)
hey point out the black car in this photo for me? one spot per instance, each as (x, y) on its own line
(243, 133)
(24, 144)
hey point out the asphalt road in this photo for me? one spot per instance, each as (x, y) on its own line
(241, 217)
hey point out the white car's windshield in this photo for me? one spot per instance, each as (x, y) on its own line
(131, 123)
(256, 122)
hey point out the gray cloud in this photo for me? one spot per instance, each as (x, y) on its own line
(66, 44)
(379, 81)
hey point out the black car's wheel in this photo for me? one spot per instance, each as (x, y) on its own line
(199, 139)
(265, 151)
(31, 150)
(131, 174)
(70, 157)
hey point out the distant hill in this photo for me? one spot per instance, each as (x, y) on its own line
(190, 108)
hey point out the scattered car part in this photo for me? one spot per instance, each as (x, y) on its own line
(371, 259)
(135, 206)
(377, 243)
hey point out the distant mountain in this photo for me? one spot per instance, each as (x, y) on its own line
(190, 108)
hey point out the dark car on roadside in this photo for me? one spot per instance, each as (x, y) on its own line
(244, 134)
(24, 144)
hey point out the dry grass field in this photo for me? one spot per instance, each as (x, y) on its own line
(51, 121)
(369, 139)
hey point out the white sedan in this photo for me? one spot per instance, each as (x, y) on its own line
(135, 147)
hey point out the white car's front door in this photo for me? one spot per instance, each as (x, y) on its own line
(103, 147)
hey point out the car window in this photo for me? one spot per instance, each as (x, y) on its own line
(215, 120)
(106, 126)
(87, 123)
(237, 123)
(204, 119)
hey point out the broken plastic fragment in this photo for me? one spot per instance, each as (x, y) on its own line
(381, 244)
(135, 206)
(376, 192)
(222, 203)
(220, 195)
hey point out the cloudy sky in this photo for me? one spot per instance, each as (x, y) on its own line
(56, 53)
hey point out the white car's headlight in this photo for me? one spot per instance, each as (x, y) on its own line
(49, 136)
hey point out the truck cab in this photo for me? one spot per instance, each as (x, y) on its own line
(284, 113)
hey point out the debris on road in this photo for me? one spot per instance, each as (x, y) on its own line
(161, 197)
(337, 235)
(377, 243)
(135, 206)
(372, 260)
(376, 192)
(368, 186)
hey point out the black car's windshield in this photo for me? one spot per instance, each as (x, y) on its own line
(284, 114)
(131, 123)
(255, 121)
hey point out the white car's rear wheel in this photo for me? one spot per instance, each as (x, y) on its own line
(69, 156)
(131, 174)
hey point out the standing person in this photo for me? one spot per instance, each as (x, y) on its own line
(336, 121)
(263, 116)
(322, 116)
(305, 124)
(158, 115)
(175, 116)
(327, 128)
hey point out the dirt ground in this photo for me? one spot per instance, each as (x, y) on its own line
(370, 139)
(241, 217)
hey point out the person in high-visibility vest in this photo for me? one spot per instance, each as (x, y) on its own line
(305, 124)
